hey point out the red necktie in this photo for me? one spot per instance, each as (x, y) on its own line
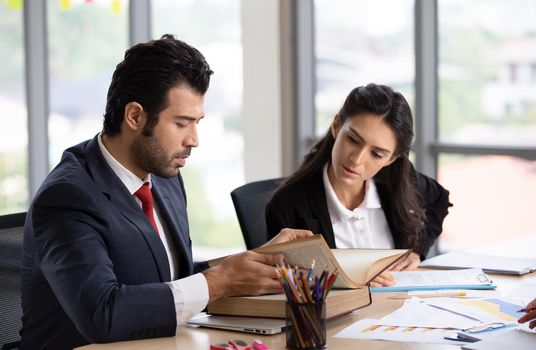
(144, 195)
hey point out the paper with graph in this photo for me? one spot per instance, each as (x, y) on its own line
(484, 310)
(370, 329)
(453, 313)
(430, 322)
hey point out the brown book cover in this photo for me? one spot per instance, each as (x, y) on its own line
(338, 302)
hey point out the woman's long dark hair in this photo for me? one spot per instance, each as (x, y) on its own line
(392, 107)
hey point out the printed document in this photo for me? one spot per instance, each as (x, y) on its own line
(453, 313)
(432, 280)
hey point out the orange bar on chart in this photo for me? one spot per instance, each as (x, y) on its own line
(409, 329)
(371, 328)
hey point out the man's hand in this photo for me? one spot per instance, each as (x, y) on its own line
(247, 273)
(409, 263)
(288, 234)
(530, 314)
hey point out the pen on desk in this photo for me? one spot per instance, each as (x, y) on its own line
(436, 295)
(527, 309)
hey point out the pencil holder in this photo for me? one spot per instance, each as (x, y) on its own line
(306, 325)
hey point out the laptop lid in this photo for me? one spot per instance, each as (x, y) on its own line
(255, 325)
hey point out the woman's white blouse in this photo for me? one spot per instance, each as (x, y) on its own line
(362, 227)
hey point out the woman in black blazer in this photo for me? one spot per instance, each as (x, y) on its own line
(357, 186)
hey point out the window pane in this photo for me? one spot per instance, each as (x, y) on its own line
(360, 42)
(13, 134)
(487, 71)
(86, 40)
(216, 167)
(492, 197)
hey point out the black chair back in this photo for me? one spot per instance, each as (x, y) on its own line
(11, 230)
(250, 201)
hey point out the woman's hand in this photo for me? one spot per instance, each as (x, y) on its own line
(409, 263)
(386, 279)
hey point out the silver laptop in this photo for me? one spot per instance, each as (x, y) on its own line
(242, 324)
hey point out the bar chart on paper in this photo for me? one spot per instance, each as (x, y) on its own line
(369, 329)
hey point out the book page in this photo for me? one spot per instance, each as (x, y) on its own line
(301, 253)
(364, 264)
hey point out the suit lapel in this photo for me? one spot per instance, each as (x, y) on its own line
(173, 209)
(124, 202)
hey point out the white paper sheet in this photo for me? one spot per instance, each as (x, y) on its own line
(419, 314)
(512, 339)
(489, 263)
(524, 291)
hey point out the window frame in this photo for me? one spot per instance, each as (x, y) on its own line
(427, 145)
(298, 65)
(37, 79)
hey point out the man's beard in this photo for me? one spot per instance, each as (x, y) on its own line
(151, 156)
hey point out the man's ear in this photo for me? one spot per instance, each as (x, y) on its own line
(335, 126)
(134, 117)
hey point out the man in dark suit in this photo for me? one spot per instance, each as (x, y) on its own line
(107, 253)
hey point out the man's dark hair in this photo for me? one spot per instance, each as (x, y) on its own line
(147, 73)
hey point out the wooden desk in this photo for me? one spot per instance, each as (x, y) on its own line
(201, 338)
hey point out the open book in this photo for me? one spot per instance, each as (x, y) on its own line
(355, 269)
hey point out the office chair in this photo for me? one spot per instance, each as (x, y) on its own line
(11, 229)
(249, 201)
